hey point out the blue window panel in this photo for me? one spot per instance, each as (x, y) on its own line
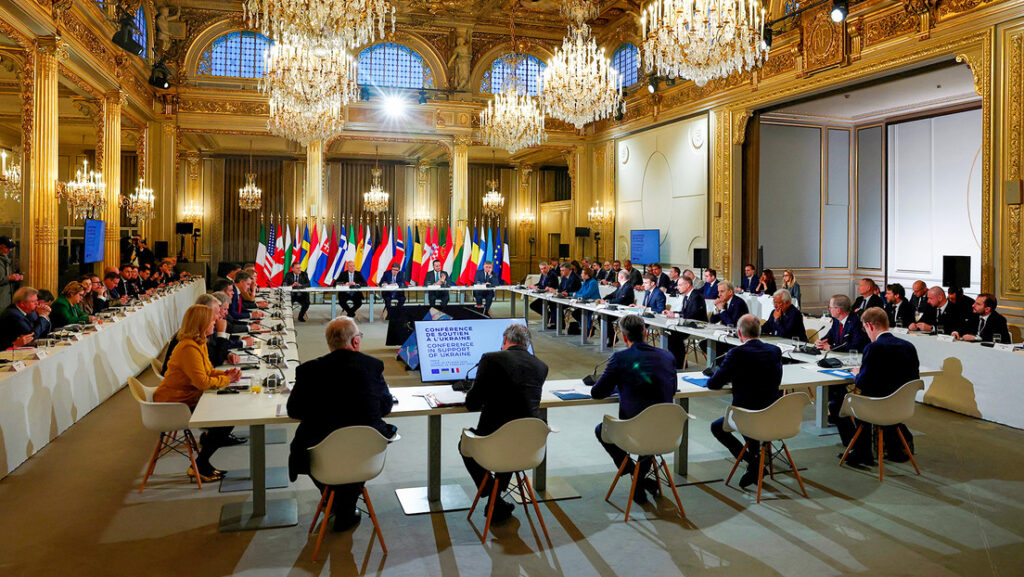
(236, 54)
(393, 65)
(626, 61)
(528, 73)
(139, 34)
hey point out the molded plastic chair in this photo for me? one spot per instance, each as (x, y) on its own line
(882, 412)
(673, 303)
(168, 419)
(657, 430)
(157, 367)
(777, 422)
(516, 447)
(348, 455)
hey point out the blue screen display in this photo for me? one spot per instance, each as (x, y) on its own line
(94, 232)
(645, 246)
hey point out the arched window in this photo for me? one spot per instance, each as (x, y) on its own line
(393, 65)
(626, 61)
(236, 54)
(528, 72)
(139, 34)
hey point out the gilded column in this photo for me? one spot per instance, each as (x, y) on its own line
(112, 102)
(167, 203)
(315, 201)
(40, 237)
(460, 180)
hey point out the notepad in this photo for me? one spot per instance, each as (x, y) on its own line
(571, 395)
(837, 373)
(442, 399)
(699, 381)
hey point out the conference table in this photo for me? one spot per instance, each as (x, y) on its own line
(333, 292)
(46, 389)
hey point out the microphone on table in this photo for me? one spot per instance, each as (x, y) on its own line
(589, 380)
(810, 349)
(466, 383)
(710, 370)
(833, 363)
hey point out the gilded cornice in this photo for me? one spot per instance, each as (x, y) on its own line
(114, 61)
(80, 82)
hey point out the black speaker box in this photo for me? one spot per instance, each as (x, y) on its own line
(183, 228)
(563, 251)
(700, 258)
(160, 248)
(956, 271)
(582, 231)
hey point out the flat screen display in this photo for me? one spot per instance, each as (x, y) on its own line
(95, 230)
(448, 349)
(644, 246)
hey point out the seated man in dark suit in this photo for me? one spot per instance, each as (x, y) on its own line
(437, 278)
(869, 297)
(486, 276)
(507, 387)
(636, 278)
(728, 307)
(624, 295)
(654, 298)
(661, 279)
(674, 274)
(643, 376)
(847, 335)
(323, 403)
(943, 317)
(350, 300)
(901, 313)
(693, 308)
(990, 323)
(786, 321)
(710, 287)
(568, 284)
(755, 370)
(298, 279)
(243, 283)
(25, 320)
(393, 276)
(548, 282)
(750, 279)
(889, 363)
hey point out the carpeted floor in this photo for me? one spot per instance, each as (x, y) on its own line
(74, 508)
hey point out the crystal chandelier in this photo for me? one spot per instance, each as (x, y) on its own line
(10, 178)
(599, 216)
(317, 121)
(250, 196)
(375, 200)
(339, 24)
(580, 85)
(527, 219)
(702, 39)
(193, 212)
(493, 201)
(85, 195)
(139, 205)
(513, 120)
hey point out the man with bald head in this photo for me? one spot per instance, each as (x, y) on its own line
(944, 317)
(919, 298)
(322, 402)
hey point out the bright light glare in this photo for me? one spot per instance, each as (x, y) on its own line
(394, 106)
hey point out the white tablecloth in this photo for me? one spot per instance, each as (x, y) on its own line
(42, 401)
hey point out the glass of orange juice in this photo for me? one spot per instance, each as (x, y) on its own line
(256, 387)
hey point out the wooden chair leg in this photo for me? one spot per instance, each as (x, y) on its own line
(323, 526)
(522, 491)
(672, 483)
(657, 475)
(795, 472)
(632, 490)
(479, 491)
(881, 459)
(190, 443)
(152, 462)
(618, 475)
(771, 461)
(737, 463)
(906, 448)
(490, 510)
(319, 509)
(850, 446)
(536, 506)
(373, 517)
(760, 474)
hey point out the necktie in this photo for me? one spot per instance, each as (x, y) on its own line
(647, 297)
(840, 332)
(981, 326)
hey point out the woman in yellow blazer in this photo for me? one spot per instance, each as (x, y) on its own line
(189, 374)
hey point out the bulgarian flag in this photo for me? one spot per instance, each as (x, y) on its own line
(457, 263)
(261, 257)
(289, 243)
(277, 270)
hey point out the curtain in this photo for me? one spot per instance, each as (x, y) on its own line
(346, 183)
(241, 227)
(129, 180)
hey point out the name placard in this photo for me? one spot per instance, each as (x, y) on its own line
(945, 338)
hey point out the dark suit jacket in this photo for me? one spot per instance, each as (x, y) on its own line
(750, 284)
(694, 307)
(950, 320)
(860, 305)
(888, 364)
(755, 371)
(569, 284)
(432, 277)
(14, 324)
(710, 290)
(635, 277)
(391, 278)
(654, 299)
(356, 277)
(665, 283)
(853, 336)
(507, 387)
(995, 324)
(237, 310)
(622, 295)
(903, 312)
(735, 309)
(290, 278)
(789, 325)
(642, 374)
(604, 275)
(483, 278)
(323, 401)
(549, 280)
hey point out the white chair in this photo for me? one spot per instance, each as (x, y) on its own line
(882, 412)
(516, 447)
(168, 419)
(157, 367)
(657, 430)
(348, 455)
(777, 422)
(673, 303)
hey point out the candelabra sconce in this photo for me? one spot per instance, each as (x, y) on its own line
(10, 177)
(85, 195)
(139, 205)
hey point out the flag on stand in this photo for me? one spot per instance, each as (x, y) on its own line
(497, 252)
(277, 270)
(268, 257)
(337, 263)
(289, 243)
(304, 255)
(320, 244)
(457, 263)
(350, 248)
(506, 266)
(327, 260)
(375, 260)
(261, 256)
(399, 256)
(297, 245)
(386, 254)
(368, 241)
(415, 256)
(448, 262)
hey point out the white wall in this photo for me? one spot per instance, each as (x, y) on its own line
(662, 182)
(789, 196)
(934, 182)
